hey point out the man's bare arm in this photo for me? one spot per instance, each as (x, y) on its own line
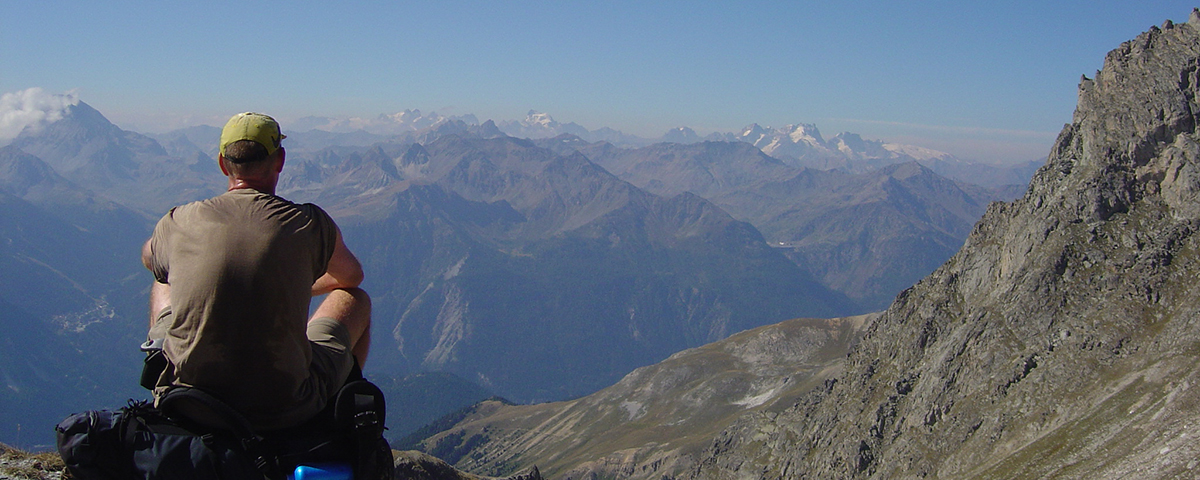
(344, 271)
(146, 255)
(160, 293)
(160, 298)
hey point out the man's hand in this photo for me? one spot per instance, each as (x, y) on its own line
(344, 271)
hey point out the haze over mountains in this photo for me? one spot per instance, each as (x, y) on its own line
(544, 276)
(69, 286)
(536, 269)
(1060, 341)
(867, 235)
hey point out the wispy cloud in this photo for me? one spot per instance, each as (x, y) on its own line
(31, 107)
(956, 129)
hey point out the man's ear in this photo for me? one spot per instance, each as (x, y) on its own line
(221, 163)
(282, 158)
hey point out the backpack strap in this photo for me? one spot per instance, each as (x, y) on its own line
(201, 408)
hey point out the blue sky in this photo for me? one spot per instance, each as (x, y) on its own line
(991, 81)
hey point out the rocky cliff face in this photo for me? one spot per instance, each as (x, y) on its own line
(1060, 341)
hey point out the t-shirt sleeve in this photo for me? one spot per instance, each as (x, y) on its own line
(160, 246)
(327, 239)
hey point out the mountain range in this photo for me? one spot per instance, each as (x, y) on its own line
(866, 235)
(469, 230)
(533, 270)
(798, 145)
(1060, 341)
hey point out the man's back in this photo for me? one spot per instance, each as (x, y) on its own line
(241, 267)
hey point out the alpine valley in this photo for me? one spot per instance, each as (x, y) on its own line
(1060, 341)
(530, 260)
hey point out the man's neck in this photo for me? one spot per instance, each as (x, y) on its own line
(252, 184)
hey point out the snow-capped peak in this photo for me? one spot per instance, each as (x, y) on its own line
(538, 118)
(917, 153)
(804, 132)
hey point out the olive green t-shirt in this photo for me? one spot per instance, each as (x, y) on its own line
(241, 267)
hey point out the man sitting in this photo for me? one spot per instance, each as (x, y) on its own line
(234, 275)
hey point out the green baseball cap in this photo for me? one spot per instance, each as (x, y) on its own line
(252, 126)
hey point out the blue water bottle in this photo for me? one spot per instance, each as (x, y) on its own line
(323, 471)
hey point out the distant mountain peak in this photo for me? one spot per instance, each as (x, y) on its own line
(681, 135)
(804, 132)
(538, 125)
(78, 121)
(535, 117)
(797, 141)
(402, 122)
(918, 153)
(752, 131)
(32, 109)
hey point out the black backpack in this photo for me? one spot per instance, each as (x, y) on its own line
(193, 435)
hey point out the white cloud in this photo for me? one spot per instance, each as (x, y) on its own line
(31, 107)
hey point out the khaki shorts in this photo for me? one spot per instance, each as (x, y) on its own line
(332, 359)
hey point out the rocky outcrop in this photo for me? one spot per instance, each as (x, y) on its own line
(1060, 341)
(412, 465)
(16, 464)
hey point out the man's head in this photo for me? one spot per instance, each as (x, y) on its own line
(258, 129)
(250, 144)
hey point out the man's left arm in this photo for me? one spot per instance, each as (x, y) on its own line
(160, 293)
(343, 271)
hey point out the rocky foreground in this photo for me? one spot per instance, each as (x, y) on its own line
(18, 465)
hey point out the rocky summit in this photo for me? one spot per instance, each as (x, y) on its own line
(1061, 341)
